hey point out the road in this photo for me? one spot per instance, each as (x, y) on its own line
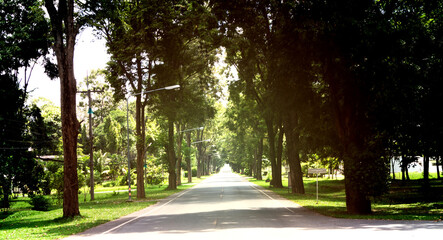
(226, 206)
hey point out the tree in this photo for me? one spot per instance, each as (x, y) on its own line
(65, 28)
(250, 34)
(248, 128)
(131, 45)
(22, 41)
(52, 126)
(332, 69)
(23, 37)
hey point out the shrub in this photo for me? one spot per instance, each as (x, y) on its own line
(155, 174)
(123, 180)
(194, 172)
(97, 178)
(40, 203)
(109, 184)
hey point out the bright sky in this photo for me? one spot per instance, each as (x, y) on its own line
(90, 54)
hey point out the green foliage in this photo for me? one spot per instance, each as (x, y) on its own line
(401, 203)
(40, 203)
(23, 34)
(111, 134)
(20, 130)
(52, 118)
(109, 184)
(194, 172)
(123, 179)
(56, 182)
(97, 178)
(161, 44)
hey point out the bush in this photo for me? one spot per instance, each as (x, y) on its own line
(109, 184)
(194, 172)
(97, 178)
(40, 203)
(123, 180)
(155, 174)
(56, 183)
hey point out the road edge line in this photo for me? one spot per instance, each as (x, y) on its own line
(146, 213)
(267, 195)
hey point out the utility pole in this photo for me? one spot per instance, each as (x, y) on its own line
(91, 142)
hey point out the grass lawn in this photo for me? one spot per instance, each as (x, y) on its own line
(23, 223)
(406, 201)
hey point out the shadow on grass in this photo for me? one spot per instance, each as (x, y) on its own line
(51, 223)
(405, 200)
(5, 214)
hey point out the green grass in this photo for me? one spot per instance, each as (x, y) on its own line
(405, 201)
(416, 175)
(23, 223)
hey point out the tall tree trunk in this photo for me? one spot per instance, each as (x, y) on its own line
(200, 153)
(404, 167)
(64, 31)
(276, 178)
(357, 201)
(393, 168)
(139, 121)
(279, 148)
(407, 173)
(188, 156)
(259, 160)
(208, 172)
(293, 141)
(171, 156)
(426, 171)
(437, 164)
(352, 127)
(403, 173)
(6, 190)
(179, 153)
(145, 150)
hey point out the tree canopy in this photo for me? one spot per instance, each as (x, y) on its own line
(337, 84)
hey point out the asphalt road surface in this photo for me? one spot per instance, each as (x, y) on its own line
(226, 206)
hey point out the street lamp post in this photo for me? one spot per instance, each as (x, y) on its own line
(127, 125)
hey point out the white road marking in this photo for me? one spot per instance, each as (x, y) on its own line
(146, 213)
(279, 202)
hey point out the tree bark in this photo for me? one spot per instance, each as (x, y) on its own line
(145, 150)
(64, 31)
(404, 167)
(293, 142)
(407, 172)
(276, 178)
(279, 148)
(171, 156)
(179, 154)
(208, 171)
(188, 157)
(6, 190)
(200, 153)
(438, 163)
(259, 160)
(352, 128)
(140, 142)
(426, 170)
(393, 168)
